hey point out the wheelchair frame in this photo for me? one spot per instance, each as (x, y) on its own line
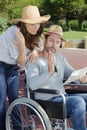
(36, 107)
(54, 111)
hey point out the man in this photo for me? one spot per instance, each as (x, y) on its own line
(84, 79)
(49, 71)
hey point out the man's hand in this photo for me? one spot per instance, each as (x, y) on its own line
(83, 79)
(51, 60)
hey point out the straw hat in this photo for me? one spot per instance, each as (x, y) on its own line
(31, 14)
(55, 29)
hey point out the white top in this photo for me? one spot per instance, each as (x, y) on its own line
(8, 50)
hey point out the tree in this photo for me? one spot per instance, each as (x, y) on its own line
(58, 9)
(76, 10)
(65, 9)
(12, 8)
(54, 8)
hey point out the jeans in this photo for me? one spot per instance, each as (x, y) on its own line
(76, 106)
(9, 85)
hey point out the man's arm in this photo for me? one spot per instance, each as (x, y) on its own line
(68, 69)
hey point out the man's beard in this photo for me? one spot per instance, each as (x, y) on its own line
(50, 49)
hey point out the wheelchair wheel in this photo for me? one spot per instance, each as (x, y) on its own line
(26, 114)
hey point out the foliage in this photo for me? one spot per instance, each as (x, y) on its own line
(4, 3)
(4, 24)
(52, 7)
(84, 25)
(73, 25)
(62, 23)
(12, 9)
(58, 9)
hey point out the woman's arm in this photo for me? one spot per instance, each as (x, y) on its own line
(22, 52)
(34, 54)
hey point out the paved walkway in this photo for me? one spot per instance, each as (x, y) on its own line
(76, 57)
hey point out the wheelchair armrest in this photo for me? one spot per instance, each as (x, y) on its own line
(73, 88)
(50, 91)
(76, 84)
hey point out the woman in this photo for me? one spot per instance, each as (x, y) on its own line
(16, 43)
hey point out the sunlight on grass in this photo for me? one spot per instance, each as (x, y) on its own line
(74, 35)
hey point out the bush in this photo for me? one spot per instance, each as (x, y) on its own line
(84, 25)
(62, 23)
(74, 25)
(4, 24)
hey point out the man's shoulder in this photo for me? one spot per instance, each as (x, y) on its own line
(39, 61)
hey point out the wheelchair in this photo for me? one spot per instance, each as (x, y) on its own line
(30, 114)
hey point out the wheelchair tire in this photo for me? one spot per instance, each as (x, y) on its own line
(26, 114)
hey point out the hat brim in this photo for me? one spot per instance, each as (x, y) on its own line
(47, 33)
(40, 19)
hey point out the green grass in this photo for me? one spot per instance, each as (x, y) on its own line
(74, 34)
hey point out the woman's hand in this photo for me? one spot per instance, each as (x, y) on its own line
(83, 79)
(33, 56)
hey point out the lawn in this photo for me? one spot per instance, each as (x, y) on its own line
(74, 34)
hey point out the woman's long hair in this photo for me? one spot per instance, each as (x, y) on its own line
(30, 40)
